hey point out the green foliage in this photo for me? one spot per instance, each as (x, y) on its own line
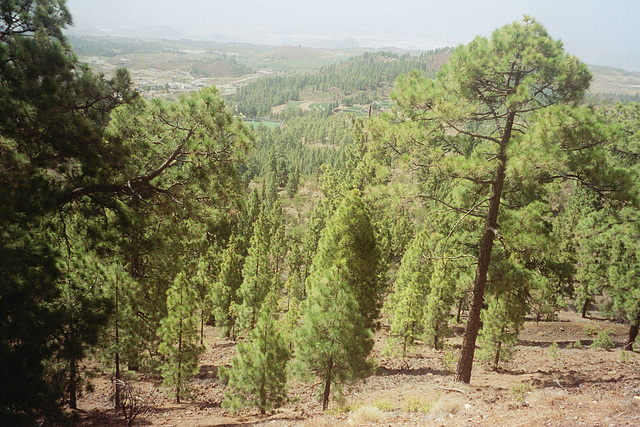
(578, 226)
(391, 217)
(507, 95)
(302, 143)
(450, 358)
(315, 225)
(203, 144)
(521, 391)
(367, 73)
(257, 274)
(87, 308)
(624, 356)
(224, 292)
(419, 405)
(258, 374)
(179, 337)
(603, 341)
(591, 330)
(410, 288)
(279, 240)
(349, 241)
(554, 352)
(384, 406)
(438, 308)
(293, 311)
(424, 290)
(602, 230)
(333, 341)
(53, 111)
(624, 268)
(502, 321)
(293, 183)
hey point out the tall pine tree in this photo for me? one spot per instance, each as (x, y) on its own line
(349, 240)
(179, 337)
(334, 339)
(258, 374)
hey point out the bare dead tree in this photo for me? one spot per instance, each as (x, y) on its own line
(133, 401)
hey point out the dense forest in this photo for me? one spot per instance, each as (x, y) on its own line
(361, 80)
(488, 188)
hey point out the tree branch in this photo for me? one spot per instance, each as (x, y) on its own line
(473, 135)
(454, 208)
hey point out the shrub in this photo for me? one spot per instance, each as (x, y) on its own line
(520, 391)
(554, 351)
(603, 341)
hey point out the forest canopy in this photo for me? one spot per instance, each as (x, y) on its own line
(485, 190)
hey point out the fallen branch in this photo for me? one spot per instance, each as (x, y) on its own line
(451, 389)
(558, 382)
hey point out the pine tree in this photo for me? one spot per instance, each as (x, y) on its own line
(502, 321)
(119, 284)
(87, 308)
(334, 340)
(508, 293)
(278, 238)
(53, 112)
(224, 292)
(258, 374)
(316, 223)
(624, 270)
(349, 239)
(411, 288)
(293, 183)
(442, 288)
(481, 103)
(257, 274)
(179, 337)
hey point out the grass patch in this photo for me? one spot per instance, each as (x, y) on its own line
(384, 406)
(293, 104)
(319, 106)
(448, 405)
(521, 391)
(367, 415)
(419, 405)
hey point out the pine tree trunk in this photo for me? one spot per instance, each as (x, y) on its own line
(458, 316)
(179, 379)
(585, 307)
(263, 398)
(202, 327)
(327, 387)
(496, 359)
(117, 355)
(633, 333)
(73, 384)
(465, 364)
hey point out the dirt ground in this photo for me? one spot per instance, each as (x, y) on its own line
(544, 384)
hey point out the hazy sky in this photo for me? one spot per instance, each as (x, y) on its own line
(605, 32)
